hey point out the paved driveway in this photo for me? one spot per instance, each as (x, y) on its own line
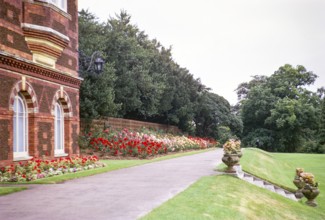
(122, 194)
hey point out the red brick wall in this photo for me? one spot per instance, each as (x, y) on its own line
(10, 12)
(45, 138)
(120, 123)
(6, 84)
(74, 98)
(75, 137)
(45, 93)
(41, 123)
(4, 137)
(67, 24)
(11, 35)
(69, 57)
(45, 82)
(14, 40)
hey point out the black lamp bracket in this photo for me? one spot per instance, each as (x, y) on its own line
(95, 57)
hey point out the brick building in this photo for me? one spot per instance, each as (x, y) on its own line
(39, 83)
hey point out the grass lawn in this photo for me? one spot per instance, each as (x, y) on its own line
(227, 197)
(280, 168)
(8, 190)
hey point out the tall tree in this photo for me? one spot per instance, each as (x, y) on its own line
(321, 132)
(213, 113)
(141, 80)
(279, 110)
(96, 91)
(138, 88)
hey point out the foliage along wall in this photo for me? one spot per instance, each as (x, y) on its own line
(120, 123)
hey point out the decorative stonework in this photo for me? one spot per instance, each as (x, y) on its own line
(45, 43)
(29, 94)
(45, 32)
(62, 97)
(31, 69)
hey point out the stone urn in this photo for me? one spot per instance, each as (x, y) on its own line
(239, 153)
(300, 185)
(230, 160)
(310, 192)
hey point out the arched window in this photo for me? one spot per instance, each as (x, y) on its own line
(59, 130)
(20, 125)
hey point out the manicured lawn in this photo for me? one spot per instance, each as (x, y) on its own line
(8, 190)
(268, 166)
(280, 168)
(226, 197)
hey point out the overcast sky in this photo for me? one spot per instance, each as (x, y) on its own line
(224, 42)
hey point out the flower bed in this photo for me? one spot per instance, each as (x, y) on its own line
(38, 169)
(140, 144)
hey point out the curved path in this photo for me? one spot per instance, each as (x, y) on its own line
(122, 194)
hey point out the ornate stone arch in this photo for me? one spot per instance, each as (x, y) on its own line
(62, 97)
(27, 91)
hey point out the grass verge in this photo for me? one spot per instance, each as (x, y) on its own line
(279, 168)
(227, 197)
(7, 190)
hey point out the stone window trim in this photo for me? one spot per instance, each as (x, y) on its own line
(45, 29)
(61, 155)
(29, 95)
(62, 97)
(22, 158)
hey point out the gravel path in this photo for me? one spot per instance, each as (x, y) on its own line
(122, 194)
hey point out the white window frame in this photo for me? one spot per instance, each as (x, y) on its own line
(61, 4)
(58, 130)
(17, 137)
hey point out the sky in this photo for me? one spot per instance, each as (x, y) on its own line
(225, 42)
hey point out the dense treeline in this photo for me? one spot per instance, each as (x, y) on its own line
(281, 113)
(142, 81)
